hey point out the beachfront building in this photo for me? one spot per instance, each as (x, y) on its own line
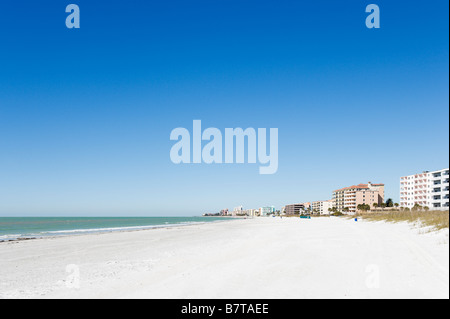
(307, 205)
(251, 212)
(224, 212)
(430, 189)
(322, 207)
(238, 211)
(347, 199)
(299, 208)
(292, 209)
(267, 210)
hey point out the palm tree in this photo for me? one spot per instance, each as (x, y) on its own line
(363, 207)
(375, 205)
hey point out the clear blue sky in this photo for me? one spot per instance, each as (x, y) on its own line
(86, 114)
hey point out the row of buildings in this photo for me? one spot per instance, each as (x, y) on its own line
(345, 199)
(427, 189)
(240, 211)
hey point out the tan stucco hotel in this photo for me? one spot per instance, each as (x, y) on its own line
(351, 197)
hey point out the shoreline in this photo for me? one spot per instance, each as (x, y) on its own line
(236, 258)
(81, 232)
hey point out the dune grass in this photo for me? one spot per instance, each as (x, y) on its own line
(437, 220)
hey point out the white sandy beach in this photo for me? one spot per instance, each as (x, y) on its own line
(253, 258)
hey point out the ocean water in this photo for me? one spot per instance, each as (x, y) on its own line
(12, 228)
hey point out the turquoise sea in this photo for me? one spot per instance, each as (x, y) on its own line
(12, 228)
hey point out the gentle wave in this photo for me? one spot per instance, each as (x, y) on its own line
(93, 230)
(68, 232)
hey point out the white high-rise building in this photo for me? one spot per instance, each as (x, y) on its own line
(267, 210)
(322, 206)
(237, 211)
(429, 189)
(251, 212)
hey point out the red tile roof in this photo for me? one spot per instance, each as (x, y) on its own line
(359, 186)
